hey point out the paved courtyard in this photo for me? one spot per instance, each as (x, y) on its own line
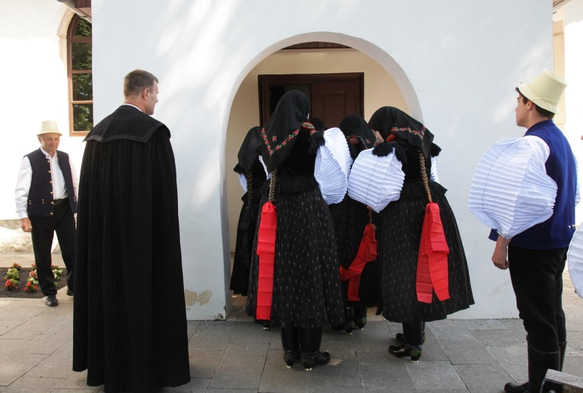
(236, 355)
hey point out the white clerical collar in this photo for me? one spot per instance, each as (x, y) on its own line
(127, 103)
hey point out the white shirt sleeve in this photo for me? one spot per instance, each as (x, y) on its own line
(433, 173)
(23, 187)
(511, 190)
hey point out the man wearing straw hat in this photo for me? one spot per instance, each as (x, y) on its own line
(46, 201)
(536, 256)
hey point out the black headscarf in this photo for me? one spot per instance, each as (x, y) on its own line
(249, 150)
(392, 121)
(358, 134)
(282, 128)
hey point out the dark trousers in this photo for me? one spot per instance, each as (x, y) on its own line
(537, 279)
(43, 229)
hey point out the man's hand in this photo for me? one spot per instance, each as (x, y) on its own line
(500, 256)
(25, 224)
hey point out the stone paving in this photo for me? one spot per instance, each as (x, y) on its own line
(237, 355)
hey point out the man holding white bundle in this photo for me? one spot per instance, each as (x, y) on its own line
(535, 253)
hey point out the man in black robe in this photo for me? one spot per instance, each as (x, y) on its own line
(129, 329)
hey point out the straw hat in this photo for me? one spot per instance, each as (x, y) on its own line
(49, 127)
(545, 90)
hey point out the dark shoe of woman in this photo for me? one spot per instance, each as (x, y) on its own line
(310, 359)
(404, 350)
(360, 322)
(512, 387)
(400, 337)
(349, 326)
(289, 357)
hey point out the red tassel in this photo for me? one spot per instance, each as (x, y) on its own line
(367, 252)
(432, 263)
(266, 253)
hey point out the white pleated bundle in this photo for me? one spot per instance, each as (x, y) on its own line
(375, 181)
(575, 260)
(511, 191)
(332, 165)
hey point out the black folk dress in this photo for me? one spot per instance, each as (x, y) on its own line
(306, 287)
(246, 226)
(350, 217)
(399, 236)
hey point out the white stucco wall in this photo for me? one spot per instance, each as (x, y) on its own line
(455, 62)
(572, 17)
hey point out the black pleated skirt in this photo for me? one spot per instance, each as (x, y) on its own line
(399, 234)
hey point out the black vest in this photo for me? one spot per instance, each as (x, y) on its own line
(40, 195)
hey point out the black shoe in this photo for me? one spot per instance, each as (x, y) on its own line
(51, 301)
(400, 337)
(360, 322)
(404, 350)
(289, 357)
(512, 387)
(311, 359)
(69, 292)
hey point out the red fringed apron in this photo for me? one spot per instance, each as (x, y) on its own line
(432, 263)
(367, 252)
(432, 268)
(266, 255)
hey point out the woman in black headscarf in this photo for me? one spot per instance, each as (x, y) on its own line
(350, 219)
(251, 170)
(304, 294)
(399, 235)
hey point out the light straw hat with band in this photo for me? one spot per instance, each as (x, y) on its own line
(49, 127)
(545, 90)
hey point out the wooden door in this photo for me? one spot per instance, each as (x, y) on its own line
(332, 96)
(332, 101)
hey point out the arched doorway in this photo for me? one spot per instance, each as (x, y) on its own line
(380, 87)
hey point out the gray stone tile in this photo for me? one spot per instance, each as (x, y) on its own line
(450, 330)
(574, 365)
(466, 352)
(8, 325)
(212, 335)
(9, 346)
(34, 384)
(342, 373)
(390, 376)
(483, 378)
(512, 359)
(497, 338)
(241, 367)
(13, 367)
(196, 385)
(483, 324)
(55, 365)
(246, 332)
(575, 343)
(204, 363)
(434, 375)
(77, 381)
